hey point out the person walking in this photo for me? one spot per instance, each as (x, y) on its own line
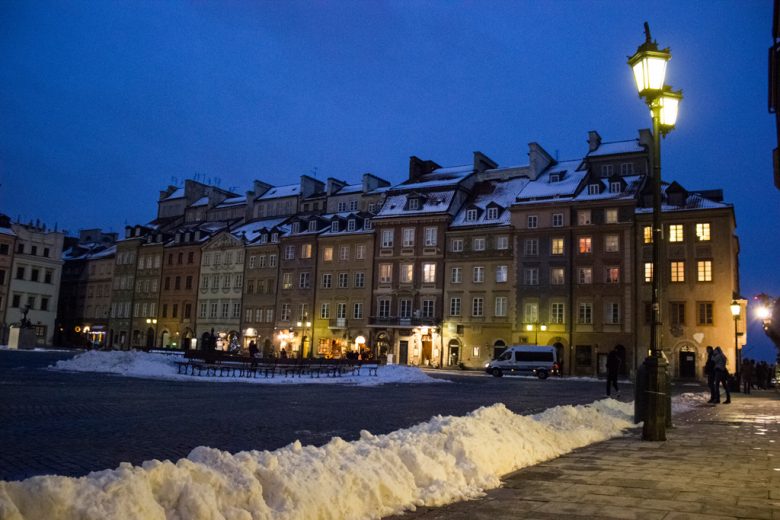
(721, 375)
(613, 367)
(747, 375)
(709, 371)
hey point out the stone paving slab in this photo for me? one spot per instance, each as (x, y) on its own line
(719, 462)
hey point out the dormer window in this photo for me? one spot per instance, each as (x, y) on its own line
(492, 214)
(615, 187)
(372, 207)
(367, 224)
(593, 189)
(471, 215)
(263, 238)
(296, 227)
(312, 225)
(274, 238)
(351, 224)
(334, 226)
(414, 204)
(555, 177)
(187, 237)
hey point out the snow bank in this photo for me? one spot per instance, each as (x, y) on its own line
(437, 462)
(688, 401)
(163, 366)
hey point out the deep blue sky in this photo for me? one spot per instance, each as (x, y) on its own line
(102, 104)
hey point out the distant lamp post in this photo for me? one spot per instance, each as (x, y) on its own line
(536, 327)
(306, 326)
(736, 310)
(150, 322)
(649, 67)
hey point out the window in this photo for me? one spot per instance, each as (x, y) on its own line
(342, 207)
(271, 260)
(3, 249)
(343, 280)
(479, 274)
(594, 189)
(675, 233)
(289, 252)
(287, 281)
(501, 306)
(177, 283)
(20, 248)
(531, 313)
(429, 273)
(20, 273)
(584, 275)
(34, 273)
(478, 244)
(252, 262)
(385, 273)
(585, 245)
(615, 187)
(16, 301)
(384, 308)
(556, 313)
(360, 252)
(704, 270)
(557, 220)
(357, 311)
(612, 313)
(414, 204)
(477, 307)
(583, 217)
(647, 234)
(678, 271)
(406, 274)
(492, 213)
(607, 170)
(703, 232)
(454, 306)
(502, 273)
(405, 308)
(47, 276)
(427, 308)
(556, 276)
(312, 226)
(351, 224)
(531, 276)
(626, 168)
(327, 280)
(612, 274)
(611, 216)
(531, 247)
(456, 245)
(305, 250)
(44, 303)
(304, 281)
(225, 310)
(555, 177)
(190, 258)
(648, 272)
(612, 243)
(457, 275)
(502, 242)
(341, 310)
(408, 237)
(471, 215)
(285, 312)
(677, 313)
(556, 246)
(585, 313)
(533, 221)
(325, 311)
(431, 237)
(327, 254)
(353, 205)
(387, 238)
(344, 253)
(360, 279)
(705, 313)
(367, 224)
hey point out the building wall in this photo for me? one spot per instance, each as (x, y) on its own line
(123, 291)
(179, 292)
(261, 275)
(7, 249)
(146, 299)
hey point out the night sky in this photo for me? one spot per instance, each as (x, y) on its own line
(102, 104)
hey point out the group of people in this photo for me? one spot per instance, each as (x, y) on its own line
(717, 374)
(756, 374)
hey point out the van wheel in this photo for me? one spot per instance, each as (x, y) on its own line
(497, 372)
(542, 374)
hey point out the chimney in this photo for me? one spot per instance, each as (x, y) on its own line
(333, 185)
(164, 194)
(538, 160)
(594, 141)
(482, 162)
(371, 182)
(419, 167)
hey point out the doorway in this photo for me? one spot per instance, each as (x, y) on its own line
(403, 352)
(687, 363)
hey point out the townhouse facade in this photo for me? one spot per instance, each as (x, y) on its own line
(7, 248)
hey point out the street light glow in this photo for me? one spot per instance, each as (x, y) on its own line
(763, 312)
(649, 66)
(736, 309)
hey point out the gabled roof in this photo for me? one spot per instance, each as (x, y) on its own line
(503, 194)
(618, 147)
(633, 184)
(542, 189)
(278, 192)
(251, 231)
(434, 202)
(694, 201)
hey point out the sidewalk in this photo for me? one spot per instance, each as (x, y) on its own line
(719, 462)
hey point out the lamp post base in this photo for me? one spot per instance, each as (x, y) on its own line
(654, 428)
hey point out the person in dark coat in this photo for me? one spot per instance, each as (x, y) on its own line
(253, 350)
(747, 375)
(721, 375)
(613, 367)
(709, 371)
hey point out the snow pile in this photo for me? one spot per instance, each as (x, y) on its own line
(437, 462)
(163, 366)
(688, 401)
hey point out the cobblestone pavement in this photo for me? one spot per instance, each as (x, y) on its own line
(719, 462)
(73, 423)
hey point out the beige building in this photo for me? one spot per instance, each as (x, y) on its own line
(7, 248)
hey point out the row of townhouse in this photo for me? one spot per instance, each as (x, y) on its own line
(446, 268)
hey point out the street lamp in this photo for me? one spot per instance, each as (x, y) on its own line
(649, 67)
(306, 325)
(536, 327)
(736, 310)
(150, 322)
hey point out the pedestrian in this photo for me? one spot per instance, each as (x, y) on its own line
(283, 353)
(709, 371)
(253, 352)
(613, 366)
(721, 375)
(747, 375)
(761, 373)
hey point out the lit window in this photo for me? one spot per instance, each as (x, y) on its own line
(385, 273)
(583, 217)
(429, 273)
(675, 233)
(556, 246)
(648, 272)
(704, 270)
(612, 275)
(585, 245)
(327, 254)
(678, 271)
(406, 273)
(556, 276)
(611, 243)
(584, 275)
(703, 231)
(611, 216)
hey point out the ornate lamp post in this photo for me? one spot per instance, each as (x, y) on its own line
(306, 326)
(150, 322)
(536, 327)
(736, 310)
(649, 67)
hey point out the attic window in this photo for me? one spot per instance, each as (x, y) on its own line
(492, 214)
(296, 227)
(367, 224)
(312, 225)
(414, 204)
(471, 215)
(351, 225)
(614, 187)
(555, 177)
(334, 226)
(275, 237)
(593, 189)
(263, 238)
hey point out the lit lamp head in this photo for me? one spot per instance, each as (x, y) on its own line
(763, 313)
(649, 66)
(529, 327)
(736, 309)
(543, 327)
(669, 101)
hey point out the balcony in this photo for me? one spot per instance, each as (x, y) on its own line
(395, 322)
(337, 323)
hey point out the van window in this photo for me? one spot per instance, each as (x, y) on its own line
(505, 356)
(534, 356)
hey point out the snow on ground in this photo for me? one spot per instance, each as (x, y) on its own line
(163, 366)
(444, 460)
(688, 401)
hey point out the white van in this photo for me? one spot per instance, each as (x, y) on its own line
(525, 359)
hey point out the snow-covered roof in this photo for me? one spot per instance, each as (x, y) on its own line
(252, 230)
(543, 189)
(345, 217)
(277, 192)
(694, 201)
(178, 194)
(617, 147)
(432, 202)
(7, 231)
(503, 194)
(92, 251)
(200, 202)
(233, 201)
(352, 188)
(439, 178)
(633, 183)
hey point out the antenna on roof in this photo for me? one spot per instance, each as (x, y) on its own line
(556, 155)
(314, 171)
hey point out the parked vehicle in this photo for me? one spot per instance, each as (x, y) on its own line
(540, 361)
